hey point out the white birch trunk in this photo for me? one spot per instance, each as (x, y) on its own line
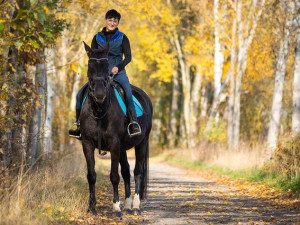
(245, 38)
(274, 120)
(238, 84)
(48, 142)
(35, 126)
(62, 78)
(218, 58)
(230, 124)
(296, 85)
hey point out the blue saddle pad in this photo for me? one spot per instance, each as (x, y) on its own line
(137, 105)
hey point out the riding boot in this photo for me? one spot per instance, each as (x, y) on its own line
(76, 132)
(133, 128)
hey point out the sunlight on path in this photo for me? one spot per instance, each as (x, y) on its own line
(179, 196)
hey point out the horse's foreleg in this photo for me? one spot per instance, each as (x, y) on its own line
(91, 175)
(125, 171)
(115, 179)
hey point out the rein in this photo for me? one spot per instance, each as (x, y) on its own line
(98, 106)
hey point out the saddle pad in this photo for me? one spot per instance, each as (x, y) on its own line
(137, 105)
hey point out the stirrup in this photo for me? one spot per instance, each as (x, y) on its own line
(136, 133)
(75, 136)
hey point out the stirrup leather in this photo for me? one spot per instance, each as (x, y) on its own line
(136, 133)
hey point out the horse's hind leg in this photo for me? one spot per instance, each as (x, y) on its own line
(140, 153)
(125, 171)
(91, 175)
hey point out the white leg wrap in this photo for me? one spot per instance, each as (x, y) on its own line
(136, 201)
(116, 207)
(128, 203)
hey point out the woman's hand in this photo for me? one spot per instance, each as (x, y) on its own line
(114, 70)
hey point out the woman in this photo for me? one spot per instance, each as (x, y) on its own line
(119, 45)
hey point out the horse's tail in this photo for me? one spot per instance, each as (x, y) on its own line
(145, 179)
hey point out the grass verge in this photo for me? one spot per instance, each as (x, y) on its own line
(262, 175)
(53, 192)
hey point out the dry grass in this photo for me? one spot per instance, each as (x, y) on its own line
(51, 193)
(217, 154)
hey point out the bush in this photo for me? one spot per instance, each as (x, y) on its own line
(285, 165)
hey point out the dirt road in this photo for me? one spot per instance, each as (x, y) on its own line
(179, 196)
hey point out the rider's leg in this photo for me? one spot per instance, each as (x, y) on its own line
(133, 128)
(79, 99)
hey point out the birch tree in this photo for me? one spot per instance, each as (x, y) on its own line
(218, 57)
(296, 83)
(48, 142)
(230, 120)
(274, 121)
(246, 29)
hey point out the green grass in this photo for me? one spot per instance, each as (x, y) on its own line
(261, 175)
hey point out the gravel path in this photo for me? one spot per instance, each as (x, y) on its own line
(178, 196)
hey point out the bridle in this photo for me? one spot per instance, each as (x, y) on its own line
(100, 114)
(107, 83)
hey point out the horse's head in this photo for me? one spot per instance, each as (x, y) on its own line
(98, 72)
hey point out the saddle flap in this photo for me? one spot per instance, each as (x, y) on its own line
(120, 94)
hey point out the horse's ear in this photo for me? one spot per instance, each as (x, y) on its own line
(87, 49)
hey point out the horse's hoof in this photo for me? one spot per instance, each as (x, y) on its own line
(136, 212)
(93, 211)
(119, 214)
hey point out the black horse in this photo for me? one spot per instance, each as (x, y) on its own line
(103, 126)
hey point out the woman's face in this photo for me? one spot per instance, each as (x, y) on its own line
(111, 24)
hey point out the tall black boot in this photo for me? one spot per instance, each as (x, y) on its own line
(133, 128)
(76, 132)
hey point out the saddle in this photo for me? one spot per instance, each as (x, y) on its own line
(121, 97)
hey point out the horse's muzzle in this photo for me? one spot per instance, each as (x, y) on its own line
(100, 99)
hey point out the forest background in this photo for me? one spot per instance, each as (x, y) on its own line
(223, 77)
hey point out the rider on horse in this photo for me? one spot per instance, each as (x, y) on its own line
(118, 45)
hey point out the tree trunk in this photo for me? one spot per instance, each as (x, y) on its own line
(296, 85)
(62, 78)
(219, 58)
(195, 97)
(274, 121)
(204, 100)
(245, 38)
(238, 81)
(35, 126)
(174, 109)
(186, 89)
(230, 124)
(48, 143)
(18, 148)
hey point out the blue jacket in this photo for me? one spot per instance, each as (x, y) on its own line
(115, 54)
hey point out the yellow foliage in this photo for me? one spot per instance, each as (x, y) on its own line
(46, 9)
(74, 68)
